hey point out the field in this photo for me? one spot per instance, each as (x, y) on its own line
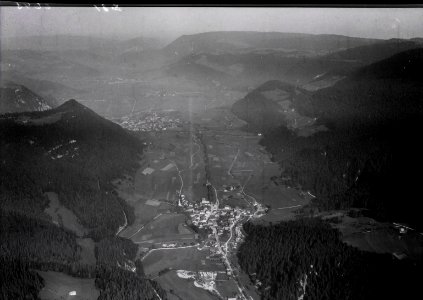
(185, 259)
(235, 157)
(59, 285)
(62, 216)
(175, 162)
(227, 288)
(182, 289)
(172, 162)
(165, 226)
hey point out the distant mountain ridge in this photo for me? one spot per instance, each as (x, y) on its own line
(222, 41)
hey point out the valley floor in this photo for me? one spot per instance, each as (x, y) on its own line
(198, 184)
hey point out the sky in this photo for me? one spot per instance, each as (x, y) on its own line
(171, 22)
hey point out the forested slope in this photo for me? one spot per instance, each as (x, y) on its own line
(370, 157)
(75, 153)
(307, 258)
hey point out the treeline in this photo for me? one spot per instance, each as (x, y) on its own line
(113, 250)
(280, 257)
(115, 283)
(115, 279)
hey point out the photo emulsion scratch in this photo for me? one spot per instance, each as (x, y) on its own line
(210, 153)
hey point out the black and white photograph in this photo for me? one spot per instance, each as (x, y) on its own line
(227, 152)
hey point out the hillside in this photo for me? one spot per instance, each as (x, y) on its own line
(74, 153)
(373, 117)
(374, 52)
(389, 88)
(272, 104)
(18, 98)
(227, 41)
(320, 265)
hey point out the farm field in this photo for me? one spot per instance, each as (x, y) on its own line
(184, 258)
(182, 289)
(59, 285)
(165, 226)
(227, 288)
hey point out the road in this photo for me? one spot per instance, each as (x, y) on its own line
(145, 225)
(232, 164)
(124, 225)
(169, 248)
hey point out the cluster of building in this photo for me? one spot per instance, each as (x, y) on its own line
(224, 221)
(149, 122)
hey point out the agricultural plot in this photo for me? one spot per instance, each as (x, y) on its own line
(183, 258)
(182, 289)
(165, 226)
(227, 288)
(62, 286)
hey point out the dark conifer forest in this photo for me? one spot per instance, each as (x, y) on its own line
(77, 157)
(370, 157)
(280, 258)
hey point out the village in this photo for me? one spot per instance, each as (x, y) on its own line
(150, 121)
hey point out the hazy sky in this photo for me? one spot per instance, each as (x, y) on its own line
(171, 22)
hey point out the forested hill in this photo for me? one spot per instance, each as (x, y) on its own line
(268, 105)
(390, 88)
(370, 157)
(73, 152)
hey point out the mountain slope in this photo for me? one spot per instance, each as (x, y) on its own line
(386, 89)
(370, 156)
(374, 52)
(18, 98)
(273, 104)
(72, 151)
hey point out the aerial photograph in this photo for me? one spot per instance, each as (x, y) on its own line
(210, 152)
